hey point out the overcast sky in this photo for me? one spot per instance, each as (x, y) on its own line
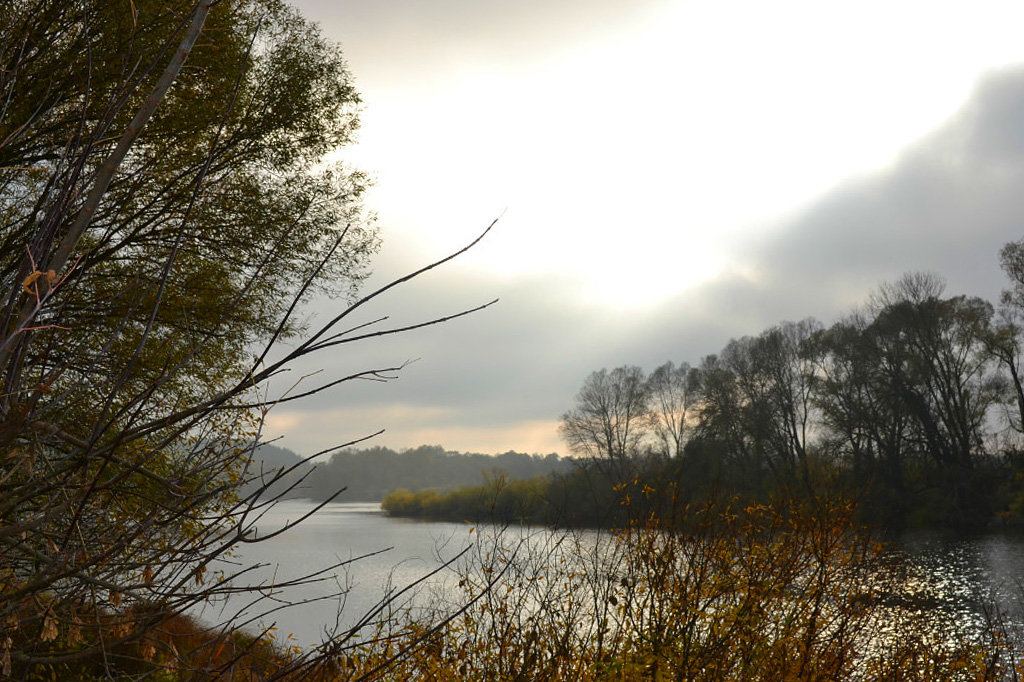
(668, 174)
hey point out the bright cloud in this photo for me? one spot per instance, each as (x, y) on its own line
(670, 173)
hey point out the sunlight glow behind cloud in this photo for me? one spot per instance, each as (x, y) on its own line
(697, 124)
(669, 173)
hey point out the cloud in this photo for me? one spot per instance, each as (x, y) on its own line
(507, 357)
(499, 379)
(406, 425)
(428, 40)
(947, 205)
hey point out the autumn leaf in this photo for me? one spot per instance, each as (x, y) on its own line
(49, 632)
(74, 635)
(47, 279)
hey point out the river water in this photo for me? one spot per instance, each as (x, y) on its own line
(381, 555)
(959, 576)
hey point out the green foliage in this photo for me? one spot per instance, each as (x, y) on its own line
(165, 200)
(236, 151)
(589, 494)
(499, 499)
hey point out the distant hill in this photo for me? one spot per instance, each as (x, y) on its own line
(274, 456)
(369, 475)
(267, 460)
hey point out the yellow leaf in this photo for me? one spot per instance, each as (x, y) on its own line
(46, 280)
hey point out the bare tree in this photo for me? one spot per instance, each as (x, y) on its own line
(757, 399)
(787, 359)
(674, 395)
(610, 416)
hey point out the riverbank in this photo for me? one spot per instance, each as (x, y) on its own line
(598, 493)
(756, 593)
(937, 582)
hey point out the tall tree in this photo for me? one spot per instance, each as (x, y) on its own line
(611, 414)
(945, 378)
(866, 425)
(1006, 340)
(164, 209)
(785, 356)
(735, 411)
(757, 399)
(674, 394)
(233, 155)
(939, 376)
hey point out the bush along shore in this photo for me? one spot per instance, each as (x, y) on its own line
(780, 590)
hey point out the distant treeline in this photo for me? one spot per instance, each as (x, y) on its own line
(596, 493)
(912, 405)
(368, 475)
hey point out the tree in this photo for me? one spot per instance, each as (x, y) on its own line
(674, 394)
(786, 357)
(757, 400)
(234, 153)
(866, 426)
(1006, 340)
(913, 387)
(610, 415)
(944, 380)
(165, 209)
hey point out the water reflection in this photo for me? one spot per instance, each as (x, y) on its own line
(954, 581)
(395, 553)
(970, 581)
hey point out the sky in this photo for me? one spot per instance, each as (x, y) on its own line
(665, 175)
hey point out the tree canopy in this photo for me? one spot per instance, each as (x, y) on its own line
(168, 199)
(224, 204)
(913, 404)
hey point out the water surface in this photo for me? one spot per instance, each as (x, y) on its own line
(960, 578)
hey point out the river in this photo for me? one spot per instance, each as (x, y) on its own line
(383, 555)
(958, 575)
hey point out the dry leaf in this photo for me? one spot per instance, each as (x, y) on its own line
(49, 632)
(30, 280)
(46, 280)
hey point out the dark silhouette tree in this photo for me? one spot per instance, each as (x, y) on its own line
(611, 415)
(1006, 339)
(674, 395)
